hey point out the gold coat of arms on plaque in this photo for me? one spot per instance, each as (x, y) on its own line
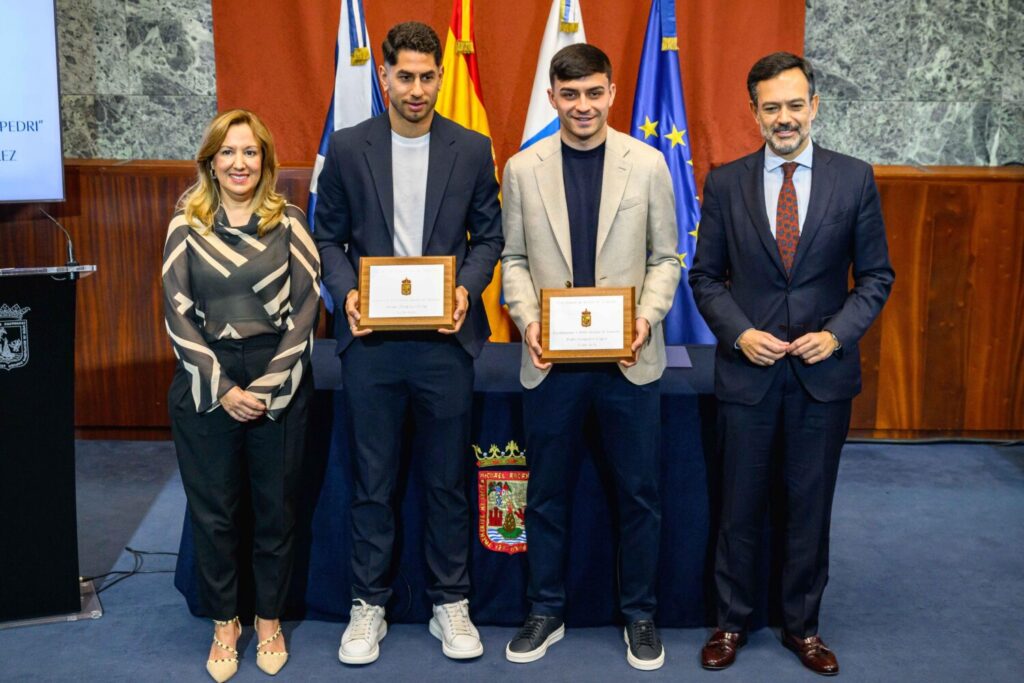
(585, 318)
(406, 287)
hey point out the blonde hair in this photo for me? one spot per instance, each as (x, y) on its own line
(201, 201)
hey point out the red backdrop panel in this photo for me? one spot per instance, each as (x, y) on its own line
(276, 57)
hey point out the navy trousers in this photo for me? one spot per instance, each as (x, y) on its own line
(389, 377)
(629, 418)
(789, 430)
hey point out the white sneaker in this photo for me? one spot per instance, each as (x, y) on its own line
(451, 625)
(366, 628)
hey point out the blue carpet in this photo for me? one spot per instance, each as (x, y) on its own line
(927, 584)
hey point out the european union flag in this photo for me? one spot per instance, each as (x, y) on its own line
(659, 119)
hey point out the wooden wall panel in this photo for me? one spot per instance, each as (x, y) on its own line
(901, 340)
(117, 215)
(946, 358)
(951, 357)
(996, 319)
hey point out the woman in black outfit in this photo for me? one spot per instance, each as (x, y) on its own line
(241, 281)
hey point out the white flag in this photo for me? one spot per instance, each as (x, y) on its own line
(564, 27)
(356, 95)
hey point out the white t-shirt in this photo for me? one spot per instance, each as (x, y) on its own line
(409, 160)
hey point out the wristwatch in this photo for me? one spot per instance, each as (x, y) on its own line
(839, 344)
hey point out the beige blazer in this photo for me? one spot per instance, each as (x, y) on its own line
(636, 239)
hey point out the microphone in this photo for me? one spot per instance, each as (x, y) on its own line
(70, 244)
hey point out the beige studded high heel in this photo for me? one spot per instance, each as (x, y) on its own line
(269, 662)
(223, 668)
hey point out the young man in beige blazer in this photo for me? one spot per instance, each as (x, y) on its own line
(586, 207)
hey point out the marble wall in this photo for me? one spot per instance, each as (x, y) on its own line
(137, 77)
(901, 81)
(920, 81)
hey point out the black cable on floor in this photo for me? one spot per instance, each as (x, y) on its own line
(138, 561)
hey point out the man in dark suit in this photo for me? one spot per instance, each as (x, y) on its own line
(409, 183)
(781, 230)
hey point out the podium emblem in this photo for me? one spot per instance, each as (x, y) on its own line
(501, 498)
(585, 318)
(406, 287)
(13, 337)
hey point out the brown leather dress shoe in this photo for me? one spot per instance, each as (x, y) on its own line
(813, 654)
(720, 650)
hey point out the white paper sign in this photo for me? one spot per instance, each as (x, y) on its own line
(585, 323)
(31, 160)
(421, 297)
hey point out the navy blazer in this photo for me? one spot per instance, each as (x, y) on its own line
(739, 282)
(355, 213)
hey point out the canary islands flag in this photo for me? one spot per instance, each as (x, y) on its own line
(659, 119)
(564, 27)
(462, 101)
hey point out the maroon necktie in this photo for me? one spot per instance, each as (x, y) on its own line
(787, 218)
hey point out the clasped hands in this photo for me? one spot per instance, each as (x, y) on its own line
(458, 315)
(641, 331)
(242, 405)
(763, 348)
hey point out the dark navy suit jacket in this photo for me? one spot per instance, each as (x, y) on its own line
(739, 281)
(355, 213)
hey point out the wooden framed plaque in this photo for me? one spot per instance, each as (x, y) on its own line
(587, 324)
(406, 292)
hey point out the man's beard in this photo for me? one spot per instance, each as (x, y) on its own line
(785, 148)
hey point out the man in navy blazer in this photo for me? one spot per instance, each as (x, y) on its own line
(781, 231)
(409, 183)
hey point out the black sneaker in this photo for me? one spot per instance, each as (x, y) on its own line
(531, 642)
(644, 650)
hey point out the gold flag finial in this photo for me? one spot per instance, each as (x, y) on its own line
(360, 56)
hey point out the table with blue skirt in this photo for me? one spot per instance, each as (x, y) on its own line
(690, 481)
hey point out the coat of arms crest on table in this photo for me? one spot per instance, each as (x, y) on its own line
(501, 498)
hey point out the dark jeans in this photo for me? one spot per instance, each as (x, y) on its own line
(629, 418)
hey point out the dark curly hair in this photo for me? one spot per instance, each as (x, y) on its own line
(411, 35)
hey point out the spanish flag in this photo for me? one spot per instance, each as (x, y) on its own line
(461, 100)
